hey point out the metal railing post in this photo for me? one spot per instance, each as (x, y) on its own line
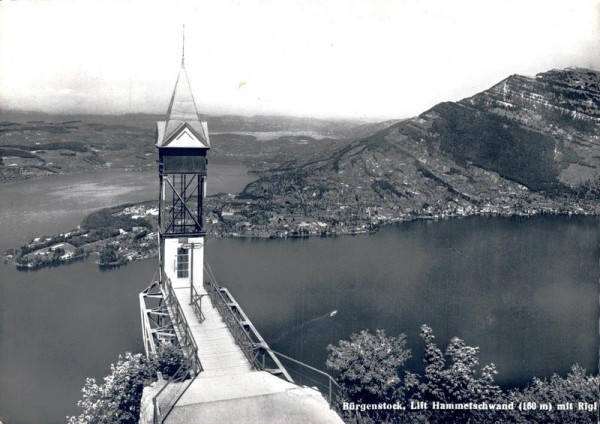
(331, 381)
(192, 276)
(155, 418)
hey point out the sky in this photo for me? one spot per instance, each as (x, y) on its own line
(360, 59)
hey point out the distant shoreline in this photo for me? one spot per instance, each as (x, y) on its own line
(132, 254)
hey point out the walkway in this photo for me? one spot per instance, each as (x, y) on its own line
(229, 390)
(218, 352)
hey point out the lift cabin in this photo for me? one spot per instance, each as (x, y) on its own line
(183, 143)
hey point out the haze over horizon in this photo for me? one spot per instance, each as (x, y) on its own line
(361, 59)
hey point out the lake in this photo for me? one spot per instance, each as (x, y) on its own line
(523, 290)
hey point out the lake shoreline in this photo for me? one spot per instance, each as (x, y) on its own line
(133, 254)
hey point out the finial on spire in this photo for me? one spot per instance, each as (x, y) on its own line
(183, 48)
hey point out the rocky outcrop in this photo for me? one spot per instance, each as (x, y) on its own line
(563, 107)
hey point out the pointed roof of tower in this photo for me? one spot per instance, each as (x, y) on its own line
(182, 112)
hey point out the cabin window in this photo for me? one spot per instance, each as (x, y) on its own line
(183, 262)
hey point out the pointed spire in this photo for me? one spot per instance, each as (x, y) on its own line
(182, 108)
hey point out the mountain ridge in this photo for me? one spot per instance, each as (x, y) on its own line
(524, 146)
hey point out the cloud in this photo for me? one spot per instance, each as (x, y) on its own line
(363, 58)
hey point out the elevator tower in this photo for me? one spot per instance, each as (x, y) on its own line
(183, 142)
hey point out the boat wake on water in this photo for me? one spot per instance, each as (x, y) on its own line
(304, 324)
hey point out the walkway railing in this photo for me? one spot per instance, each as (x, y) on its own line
(164, 401)
(258, 352)
(242, 329)
(184, 335)
(319, 379)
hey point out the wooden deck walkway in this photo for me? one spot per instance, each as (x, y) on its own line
(218, 352)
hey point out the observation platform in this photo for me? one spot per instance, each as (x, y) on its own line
(233, 385)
